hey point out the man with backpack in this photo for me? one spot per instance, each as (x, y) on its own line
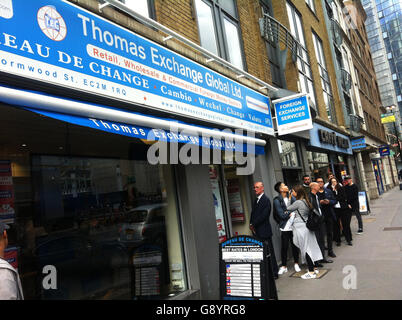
(283, 218)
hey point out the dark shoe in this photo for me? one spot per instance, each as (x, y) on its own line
(318, 265)
(276, 277)
(359, 231)
(350, 243)
(338, 244)
(326, 261)
(331, 254)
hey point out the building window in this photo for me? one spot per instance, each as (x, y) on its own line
(219, 29)
(325, 82)
(142, 7)
(310, 3)
(303, 61)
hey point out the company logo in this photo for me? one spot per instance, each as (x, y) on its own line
(6, 9)
(52, 23)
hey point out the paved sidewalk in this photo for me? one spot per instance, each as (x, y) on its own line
(376, 255)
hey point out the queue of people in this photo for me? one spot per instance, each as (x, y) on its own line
(332, 202)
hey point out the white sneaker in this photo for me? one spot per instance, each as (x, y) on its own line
(316, 271)
(308, 275)
(297, 268)
(282, 270)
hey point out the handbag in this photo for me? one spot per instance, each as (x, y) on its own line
(314, 220)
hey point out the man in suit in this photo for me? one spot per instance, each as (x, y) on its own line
(320, 233)
(259, 222)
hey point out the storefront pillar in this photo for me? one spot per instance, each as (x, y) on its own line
(200, 236)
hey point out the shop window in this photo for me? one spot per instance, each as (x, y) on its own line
(319, 164)
(288, 154)
(88, 203)
(219, 29)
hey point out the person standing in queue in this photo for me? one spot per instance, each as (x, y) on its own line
(306, 183)
(327, 202)
(320, 233)
(283, 217)
(342, 213)
(352, 194)
(259, 222)
(304, 238)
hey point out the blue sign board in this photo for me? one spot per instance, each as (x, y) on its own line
(149, 134)
(71, 47)
(358, 143)
(384, 151)
(327, 139)
(293, 114)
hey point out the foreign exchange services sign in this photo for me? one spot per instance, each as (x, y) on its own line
(74, 48)
(293, 114)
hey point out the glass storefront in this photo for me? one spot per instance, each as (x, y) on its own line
(323, 163)
(231, 201)
(88, 205)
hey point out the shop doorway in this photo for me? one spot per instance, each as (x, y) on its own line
(378, 176)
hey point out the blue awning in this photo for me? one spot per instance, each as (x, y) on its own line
(109, 119)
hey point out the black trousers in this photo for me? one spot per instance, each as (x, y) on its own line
(343, 216)
(320, 235)
(271, 250)
(310, 263)
(286, 237)
(329, 228)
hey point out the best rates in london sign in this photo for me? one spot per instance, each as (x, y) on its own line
(74, 48)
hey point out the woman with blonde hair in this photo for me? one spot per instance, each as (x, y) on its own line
(304, 238)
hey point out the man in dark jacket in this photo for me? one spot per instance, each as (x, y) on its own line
(327, 202)
(320, 233)
(259, 222)
(352, 194)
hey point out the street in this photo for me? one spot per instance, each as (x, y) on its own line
(376, 255)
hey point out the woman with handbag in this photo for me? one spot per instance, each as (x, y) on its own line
(342, 211)
(304, 238)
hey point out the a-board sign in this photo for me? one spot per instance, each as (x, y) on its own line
(245, 270)
(363, 203)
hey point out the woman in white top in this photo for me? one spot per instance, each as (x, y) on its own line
(303, 238)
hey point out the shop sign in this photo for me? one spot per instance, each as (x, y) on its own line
(387, 118)
(384, 151)
(245, 270)
(141, 132)
(73, 48)
(324, 138)
(358, 143)
(292, 114)
(363, 203)
(7, 212)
